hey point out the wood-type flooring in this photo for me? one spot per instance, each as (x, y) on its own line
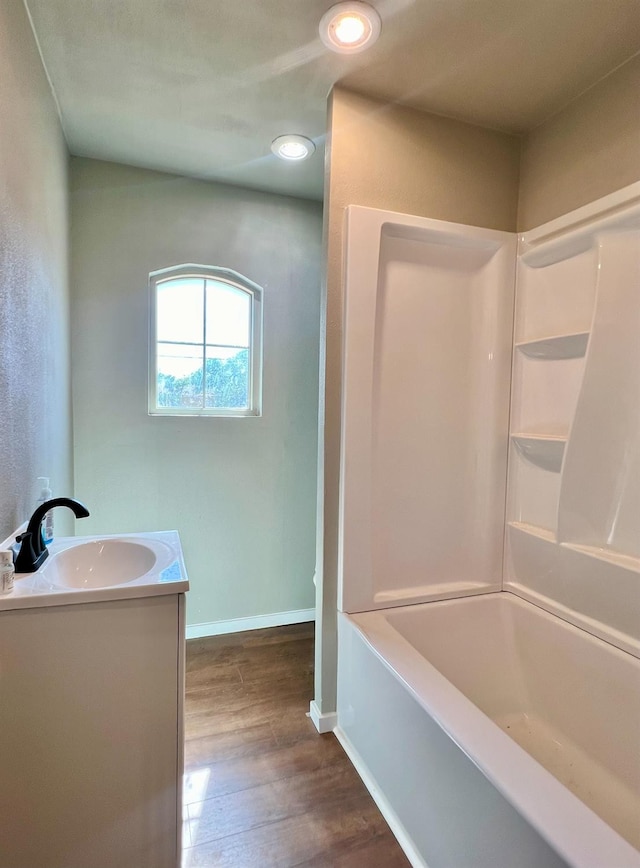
(262, 789)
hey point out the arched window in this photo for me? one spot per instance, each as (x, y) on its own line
(205, 343)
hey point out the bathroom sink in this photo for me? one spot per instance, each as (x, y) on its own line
(93, 569)
(103, 563)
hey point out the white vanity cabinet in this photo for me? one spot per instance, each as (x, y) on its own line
(91, 733)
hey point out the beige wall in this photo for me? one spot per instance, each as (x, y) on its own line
(241, 491)
(399, 159)
(35, 415)
(589, 149)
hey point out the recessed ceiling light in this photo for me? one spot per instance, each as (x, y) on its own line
(291, 147)
(350, 27)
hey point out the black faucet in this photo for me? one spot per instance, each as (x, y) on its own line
(33, 552)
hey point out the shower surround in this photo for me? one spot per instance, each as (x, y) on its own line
(489, 586)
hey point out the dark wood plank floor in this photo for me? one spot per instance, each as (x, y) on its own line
(262, 788)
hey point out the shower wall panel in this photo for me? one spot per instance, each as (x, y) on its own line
(428, 332)
(574, 467)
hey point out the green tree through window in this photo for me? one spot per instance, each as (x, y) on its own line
(226, 384)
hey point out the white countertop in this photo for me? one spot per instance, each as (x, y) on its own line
(168, 575)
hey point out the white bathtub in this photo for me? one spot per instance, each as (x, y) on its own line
(493, 734)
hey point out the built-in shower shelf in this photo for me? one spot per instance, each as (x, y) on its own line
(533, 530)
(543, 450)
(628, 562)
(568, 346)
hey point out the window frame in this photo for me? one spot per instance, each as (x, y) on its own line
(237, 281)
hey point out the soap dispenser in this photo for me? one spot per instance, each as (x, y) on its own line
(47, 523)
(7, 572)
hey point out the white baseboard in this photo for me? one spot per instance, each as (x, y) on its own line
(257, 622)
(379, 798)
(322, 722)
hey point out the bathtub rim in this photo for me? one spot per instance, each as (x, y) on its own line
(570, 827)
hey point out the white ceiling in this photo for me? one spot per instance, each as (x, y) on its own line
(201, 87)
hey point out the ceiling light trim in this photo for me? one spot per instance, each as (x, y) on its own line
(293, 148)
(350, 27)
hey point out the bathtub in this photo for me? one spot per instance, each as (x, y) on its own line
(493, 734)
